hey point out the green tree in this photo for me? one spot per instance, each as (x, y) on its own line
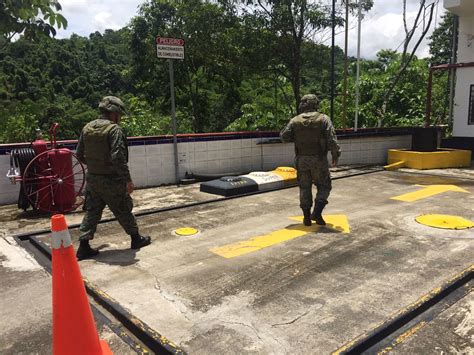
(30, 18)
(206, 80)
(243, 70)
(406, 56)
(406, 106)
(293, 23)
(441, 40)
(441, 48)
(63, 78)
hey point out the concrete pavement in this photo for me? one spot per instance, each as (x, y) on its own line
(254, 280)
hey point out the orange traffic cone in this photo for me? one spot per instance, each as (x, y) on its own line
(74, 329)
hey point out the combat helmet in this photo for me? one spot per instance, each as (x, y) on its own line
(111, 104)
(309, 102)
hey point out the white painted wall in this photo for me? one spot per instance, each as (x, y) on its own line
(464, 76)
(460, 7)
(461, 128)
(153, 165)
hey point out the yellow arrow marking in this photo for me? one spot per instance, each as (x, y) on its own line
(337, 223)
(427, 191)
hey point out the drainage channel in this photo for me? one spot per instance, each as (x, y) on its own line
(405, 322)
(137, 334)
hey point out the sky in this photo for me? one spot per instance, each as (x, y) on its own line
(382, 27)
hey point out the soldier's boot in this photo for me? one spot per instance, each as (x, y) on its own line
(317, 212)
(307, 217)
(85, 251)
(139, 241)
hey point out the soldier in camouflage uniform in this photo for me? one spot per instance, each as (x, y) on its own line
(313, 135)
(103, 148)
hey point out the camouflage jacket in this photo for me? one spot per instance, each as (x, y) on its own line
(103, 148)
(313, 134)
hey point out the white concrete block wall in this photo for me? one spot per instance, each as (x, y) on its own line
(244, 155)
(138, 164)
(153, 164)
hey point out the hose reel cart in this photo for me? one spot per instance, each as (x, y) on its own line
(52, 178)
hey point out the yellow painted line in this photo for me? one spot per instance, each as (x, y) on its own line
(257, 243)
(395, 166)
(427, 191)
(402, 337)
(337, 222)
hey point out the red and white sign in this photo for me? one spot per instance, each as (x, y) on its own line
(171, 48)
(170, 41)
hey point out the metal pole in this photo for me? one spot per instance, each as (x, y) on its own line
(173, 119)
(359, 20)
(333, 19)
(428, 99)
(452, 72)
(346, 64)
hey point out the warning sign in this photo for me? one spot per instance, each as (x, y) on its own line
(170, 48)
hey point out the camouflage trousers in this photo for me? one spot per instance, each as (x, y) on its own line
(108, 191)
(312, 170)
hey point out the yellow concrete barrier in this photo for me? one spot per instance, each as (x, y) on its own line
(442, 158)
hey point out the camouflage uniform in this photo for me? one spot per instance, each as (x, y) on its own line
(103, 147)
(313, 135)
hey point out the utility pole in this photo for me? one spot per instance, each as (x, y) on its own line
(346, 64)
(452, 71)
(359, 22)
(333, 69)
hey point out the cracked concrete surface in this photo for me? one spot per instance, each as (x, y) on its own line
(307, 295)
(318, 291)
(291, 321)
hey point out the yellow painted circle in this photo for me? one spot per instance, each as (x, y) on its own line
(444, 221)
(186, 231)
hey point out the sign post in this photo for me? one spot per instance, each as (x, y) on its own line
(173, 121)
(171, 48)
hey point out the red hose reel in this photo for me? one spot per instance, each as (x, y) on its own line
(54, 179)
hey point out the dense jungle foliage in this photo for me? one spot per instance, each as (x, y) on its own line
(244, 69)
